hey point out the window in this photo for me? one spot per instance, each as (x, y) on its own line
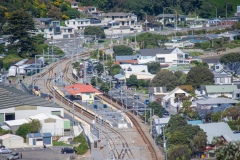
(222, 80)
(161, 60)
(216, 67)
(67, 22)
(238, 95)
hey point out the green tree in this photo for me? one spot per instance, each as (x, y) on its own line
(104, 87)
(93, 81)
(153, 67)
(20, 24)
(55, 13)
(199, 76)
(157, 107)
(199, 64)
(178, 74)
(72, 13)
(165, 78)
(95, 30)
(232, 112)
(228, 151)
(183, 79)
(132, 81)
(99, 68)
(115, 69)
(199, 141)
(232, 60)
(149, 40)
(179, 152)
(33, 127)
(187, 104)
(1, 64)
(236, 26)
(122, 50)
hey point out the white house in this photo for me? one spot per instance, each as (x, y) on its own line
(141, 71)
(162, 55)
(78, 23)
(214, 102)
(50, 123)
(214, 91)
(168, 100)
(119, 22)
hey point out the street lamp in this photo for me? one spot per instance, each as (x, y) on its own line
(146, 21)
(226, 12)
(216, 13)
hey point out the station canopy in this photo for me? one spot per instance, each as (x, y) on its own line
(78, 89)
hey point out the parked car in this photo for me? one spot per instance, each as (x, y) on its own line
(5, 151)
(68, 150)
(177, 29)
(2, 146)
(136, 96)
(13, 156)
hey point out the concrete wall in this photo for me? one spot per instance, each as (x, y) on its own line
(28, 111)
(55, 128)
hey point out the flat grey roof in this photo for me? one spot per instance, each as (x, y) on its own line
(154, 51)
(12, 97)
(211, 101)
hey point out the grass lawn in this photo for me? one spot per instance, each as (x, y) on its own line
(56, 143)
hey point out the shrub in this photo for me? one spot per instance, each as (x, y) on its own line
(83, 146)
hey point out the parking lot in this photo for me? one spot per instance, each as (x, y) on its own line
(40, 153)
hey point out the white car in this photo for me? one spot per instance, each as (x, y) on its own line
(177, 29)
(5, 151)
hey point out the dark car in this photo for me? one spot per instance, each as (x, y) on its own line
(68, 150)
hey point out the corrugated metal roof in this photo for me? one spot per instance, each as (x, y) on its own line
(36, 135)
(10, 136)
(154, 51)
(211, 101)
(220, 88)
(12, 97)
(43, 116)
(216, 130)
(16, 122)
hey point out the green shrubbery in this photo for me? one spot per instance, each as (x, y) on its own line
(83, 146)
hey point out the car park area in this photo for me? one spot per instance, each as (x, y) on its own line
(39, 153)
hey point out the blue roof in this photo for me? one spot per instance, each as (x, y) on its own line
(222, 107)
(35, 135)
(195, 122)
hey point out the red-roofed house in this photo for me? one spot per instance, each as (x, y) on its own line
(86, 92)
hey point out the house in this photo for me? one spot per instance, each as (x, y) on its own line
(214, 22)
(141, 71)
(157, 93)
(236, 94)
(230, 35)
(121, 22)
(170, 18)
(217, 130)
(164, 56)
(129, 59)
(214, 91)
(15, 104)
(12, 141)
(82, 91)
(50, 124)
(214, 102)
(73, 3)
(221, 76)
(210, 61)
(168, 101)
(51, 29)
(78, 23)
(94, 21)
(237, 14)
(38, 139)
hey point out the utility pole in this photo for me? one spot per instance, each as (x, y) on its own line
(107, 140)
(164, 143)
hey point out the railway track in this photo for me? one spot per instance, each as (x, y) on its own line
(135, 123)
(50, 72)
